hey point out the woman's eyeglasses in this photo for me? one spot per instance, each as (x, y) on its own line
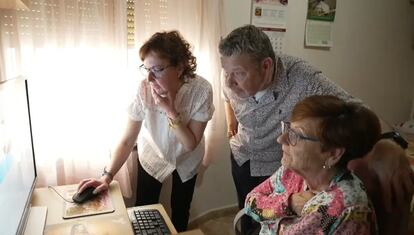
(156, 71)
(293, 136)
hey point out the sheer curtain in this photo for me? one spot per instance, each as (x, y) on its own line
(74, 55)
(82, 74)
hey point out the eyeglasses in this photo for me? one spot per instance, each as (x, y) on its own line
(156, 71)
(238, 76)
(293, 136)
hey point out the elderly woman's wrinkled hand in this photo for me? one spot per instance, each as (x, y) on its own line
(298, 200)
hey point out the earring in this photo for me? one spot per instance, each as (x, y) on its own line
(326, 166)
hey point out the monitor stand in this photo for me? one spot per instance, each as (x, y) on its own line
(36, 221)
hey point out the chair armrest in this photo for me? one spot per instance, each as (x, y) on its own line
(237, 221)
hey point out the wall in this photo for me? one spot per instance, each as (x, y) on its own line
(372, 58)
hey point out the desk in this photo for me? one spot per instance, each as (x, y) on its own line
(161, 209)
(112, 223)
(167, 219)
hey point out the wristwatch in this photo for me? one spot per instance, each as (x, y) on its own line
(174, 123)
(109, 174)
(396, 137)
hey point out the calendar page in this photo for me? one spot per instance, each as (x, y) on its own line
(271, 17)
(277, 39)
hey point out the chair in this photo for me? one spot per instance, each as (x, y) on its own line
(237, 222)
(237, 225)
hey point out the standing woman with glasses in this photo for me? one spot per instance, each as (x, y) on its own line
(313, 192)
(167, 120)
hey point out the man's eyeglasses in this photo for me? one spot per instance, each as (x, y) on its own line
(293, 136)
(156, 71)
(238, 76)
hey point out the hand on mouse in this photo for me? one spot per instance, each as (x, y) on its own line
(100, 185)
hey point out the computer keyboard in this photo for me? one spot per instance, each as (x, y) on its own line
(149, 222)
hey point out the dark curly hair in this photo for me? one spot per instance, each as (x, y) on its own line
(173, 47)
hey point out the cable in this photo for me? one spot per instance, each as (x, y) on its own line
(51, 187)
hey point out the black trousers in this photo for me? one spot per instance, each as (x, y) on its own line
(149, 189)
(245, 183)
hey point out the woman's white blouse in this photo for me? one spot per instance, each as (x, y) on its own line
(160, 152)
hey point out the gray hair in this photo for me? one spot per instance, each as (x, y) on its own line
(248, 40)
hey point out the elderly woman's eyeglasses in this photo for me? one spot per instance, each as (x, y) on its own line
(156, 71)
(293, 136)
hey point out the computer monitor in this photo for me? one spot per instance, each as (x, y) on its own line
(17, 163)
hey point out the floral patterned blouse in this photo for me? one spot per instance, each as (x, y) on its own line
(344, 208)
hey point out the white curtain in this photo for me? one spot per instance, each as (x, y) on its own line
(74, 55)
(82, 74)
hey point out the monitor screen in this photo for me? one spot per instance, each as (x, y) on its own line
(17, 164)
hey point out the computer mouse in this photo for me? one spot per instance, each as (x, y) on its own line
(85, 195)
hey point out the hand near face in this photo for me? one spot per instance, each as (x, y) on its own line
(298, 200)
(165, 101)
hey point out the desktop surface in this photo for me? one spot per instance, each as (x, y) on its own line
(158, 207)
(113, 223)
(117, 222)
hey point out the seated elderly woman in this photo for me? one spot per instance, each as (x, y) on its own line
(313, 192)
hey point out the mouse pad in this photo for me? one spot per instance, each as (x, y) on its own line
(99, 205)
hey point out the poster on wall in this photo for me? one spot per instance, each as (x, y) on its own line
(271, 16)
(320, 18)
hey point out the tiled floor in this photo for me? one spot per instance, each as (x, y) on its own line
(216, 223)
(219, 226)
